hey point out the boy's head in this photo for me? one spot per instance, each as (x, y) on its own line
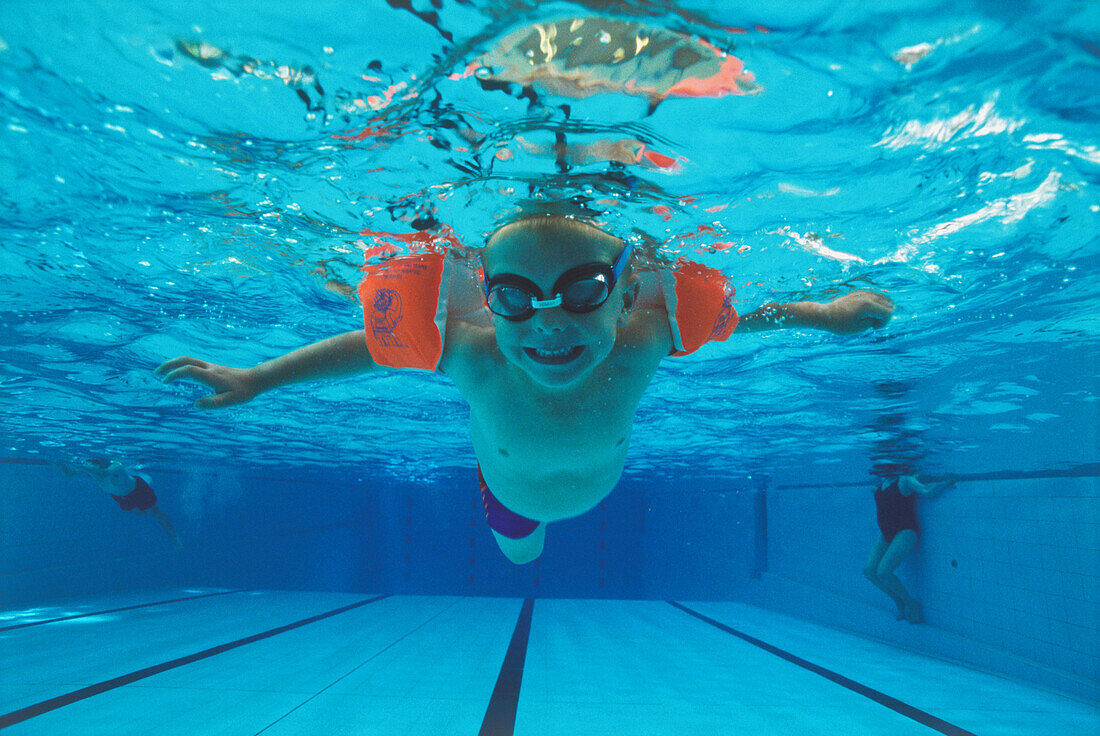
(559, 289)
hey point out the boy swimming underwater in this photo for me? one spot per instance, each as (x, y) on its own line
(553, 362)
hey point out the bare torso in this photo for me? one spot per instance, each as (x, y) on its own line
(552, 454)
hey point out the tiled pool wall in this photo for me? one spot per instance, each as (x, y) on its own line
(1007, 565)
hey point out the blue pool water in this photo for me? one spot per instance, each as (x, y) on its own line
(190, 208)
(203, 179)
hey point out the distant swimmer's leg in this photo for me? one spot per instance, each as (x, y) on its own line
(899, 548)
(523, 550)
(870, 571)
(166, 523)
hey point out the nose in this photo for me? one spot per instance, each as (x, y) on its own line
(549, 321)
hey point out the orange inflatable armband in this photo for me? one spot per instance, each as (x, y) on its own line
(405, 310)
(700, 306)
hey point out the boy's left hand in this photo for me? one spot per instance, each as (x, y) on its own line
(857, 312)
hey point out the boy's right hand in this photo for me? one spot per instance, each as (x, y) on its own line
(231, 385)
(855, 312)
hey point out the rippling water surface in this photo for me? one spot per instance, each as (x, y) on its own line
(204, 179)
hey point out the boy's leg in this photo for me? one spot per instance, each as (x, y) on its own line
(525, 549)
(522, 538)
(899, 548)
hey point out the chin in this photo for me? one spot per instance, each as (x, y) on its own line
(557, 380)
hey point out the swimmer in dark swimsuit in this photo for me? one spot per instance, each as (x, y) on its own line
(132, 493)
(896, 503)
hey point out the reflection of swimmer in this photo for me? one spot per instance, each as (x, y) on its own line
(132, 493)
(552, 350)
(626, 151)
(302, 81)
(896, 505)
(578, 57)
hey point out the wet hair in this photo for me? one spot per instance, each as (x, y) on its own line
(892, 469)
(582, 228)
(547, 221)
(549, 218)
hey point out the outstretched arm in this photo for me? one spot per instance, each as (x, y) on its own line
(342, 355)
(87, 468)
(850, 313)
(908, 484)
(71, 468)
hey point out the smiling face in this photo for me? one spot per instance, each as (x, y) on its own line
(555, 347)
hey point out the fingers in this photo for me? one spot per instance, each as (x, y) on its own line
(876, 309)
(171, 365)
(218, 401)
(885, 312)
(230, 385)
(192, 371)
(881, 299)
(885, 305)
(872, 301)
(227, 388)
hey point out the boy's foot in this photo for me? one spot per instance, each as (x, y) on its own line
(914, 613)
(901, 612)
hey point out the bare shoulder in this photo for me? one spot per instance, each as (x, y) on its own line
(469, 350)
(117, 471)
(647, 336)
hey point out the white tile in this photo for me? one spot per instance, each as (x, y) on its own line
(427, 665)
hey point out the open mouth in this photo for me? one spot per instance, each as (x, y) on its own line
(557, 356)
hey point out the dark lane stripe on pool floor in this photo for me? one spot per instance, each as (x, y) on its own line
(116, 610)
(18, 716)
(894, 704)
(500, 716)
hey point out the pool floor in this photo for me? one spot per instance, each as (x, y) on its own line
(279, 662)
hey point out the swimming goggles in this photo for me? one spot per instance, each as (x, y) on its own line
(580, 289)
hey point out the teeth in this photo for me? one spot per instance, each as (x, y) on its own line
(547, 353)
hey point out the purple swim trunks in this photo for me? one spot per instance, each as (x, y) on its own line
(502, 520)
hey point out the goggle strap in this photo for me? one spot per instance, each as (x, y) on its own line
(620, 262)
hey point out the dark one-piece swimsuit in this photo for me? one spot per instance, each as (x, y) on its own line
(895, 511)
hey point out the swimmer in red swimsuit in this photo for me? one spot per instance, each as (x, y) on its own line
(130, 492)
(896, 504)
(552, 350)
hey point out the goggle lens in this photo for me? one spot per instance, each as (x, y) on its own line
(581, 289)
(516, 303)
(510, 301)
(584, 295)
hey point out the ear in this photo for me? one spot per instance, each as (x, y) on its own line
(630, 298)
